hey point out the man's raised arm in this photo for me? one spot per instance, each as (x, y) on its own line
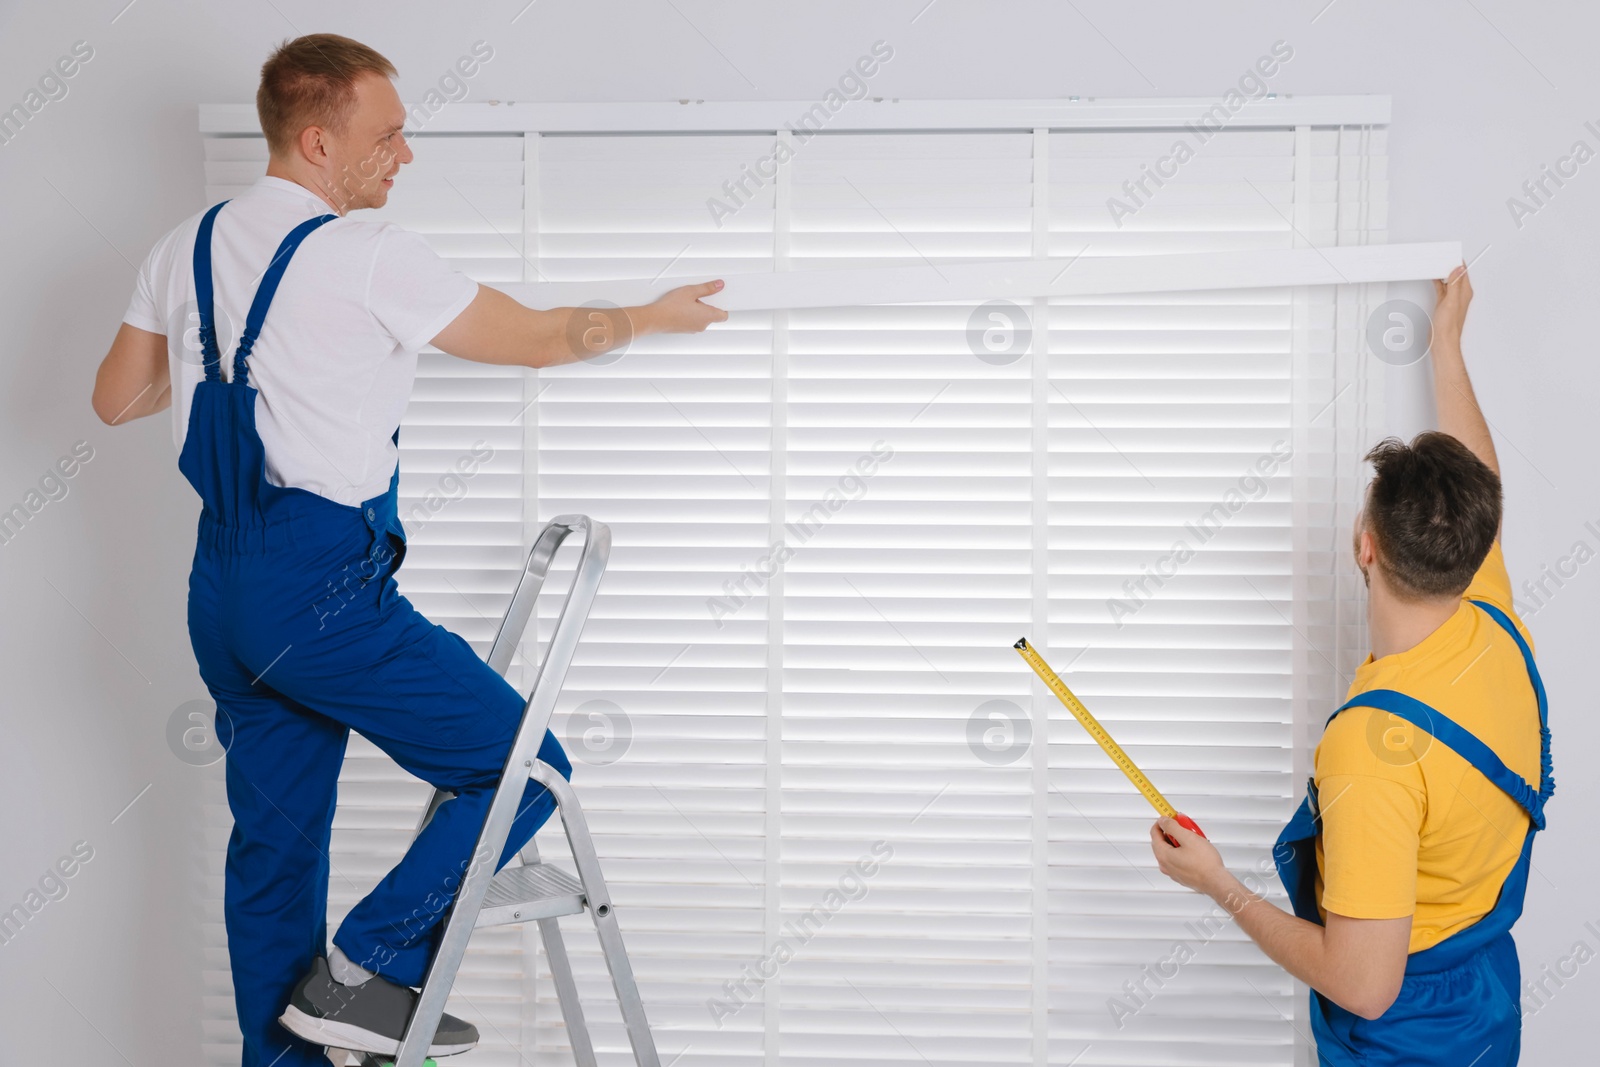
(1459, 415)
(494, 328)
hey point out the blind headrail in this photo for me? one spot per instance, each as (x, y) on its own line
(868, 113)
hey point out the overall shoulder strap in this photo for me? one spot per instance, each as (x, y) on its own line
(1527, 655)
(1452, 734)
(1466, 744)
(1547, 782)
(203, 298)
(265, 291)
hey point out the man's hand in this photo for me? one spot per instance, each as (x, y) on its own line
(1195, 863)
(680, 310)
(1359, 963)
(1453, 397)
(1450, 312)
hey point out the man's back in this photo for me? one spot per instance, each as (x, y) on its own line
(336, 360)
(1412, 828)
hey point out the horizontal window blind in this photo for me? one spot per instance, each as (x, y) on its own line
(841, 821)
(1033, 489)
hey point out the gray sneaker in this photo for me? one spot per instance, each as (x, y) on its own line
(370, 1017)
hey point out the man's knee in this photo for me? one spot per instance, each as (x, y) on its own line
(552, 753)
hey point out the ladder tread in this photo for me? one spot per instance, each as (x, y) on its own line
(532, 891)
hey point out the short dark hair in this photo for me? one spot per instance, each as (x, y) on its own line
(1434, 511)
(310, 81)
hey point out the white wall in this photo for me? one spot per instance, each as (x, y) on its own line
(95, 655)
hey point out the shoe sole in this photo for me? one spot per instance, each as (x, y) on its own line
(334, 1034)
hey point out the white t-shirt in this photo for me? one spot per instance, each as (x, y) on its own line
(337, 356)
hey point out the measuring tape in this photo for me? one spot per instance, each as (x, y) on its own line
(1098, 732)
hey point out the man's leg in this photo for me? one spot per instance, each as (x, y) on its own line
(422, 695)
(282, 772)
(395, 929)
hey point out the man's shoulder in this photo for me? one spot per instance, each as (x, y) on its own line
(178, 241)
(1468, 670)
(1368, 742)
(355, 226)
(364, 239)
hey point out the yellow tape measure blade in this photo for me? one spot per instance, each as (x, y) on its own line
(1092, 725)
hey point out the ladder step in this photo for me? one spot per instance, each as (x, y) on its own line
(533, 891)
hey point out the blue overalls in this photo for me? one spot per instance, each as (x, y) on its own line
(301, 635)
(1459, 1003)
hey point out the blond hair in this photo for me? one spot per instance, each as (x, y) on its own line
(310, 81)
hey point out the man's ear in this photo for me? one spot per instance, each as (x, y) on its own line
(313, 146)
(1366, 548)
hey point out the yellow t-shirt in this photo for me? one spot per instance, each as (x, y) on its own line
(1408, 826)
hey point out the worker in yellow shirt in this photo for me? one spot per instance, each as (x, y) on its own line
(1407, 862)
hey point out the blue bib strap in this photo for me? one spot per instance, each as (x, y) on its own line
(1465, 744)
(1527, 655)
(265, 292)
(209, 354)
(1450, 733)
(1547, 782)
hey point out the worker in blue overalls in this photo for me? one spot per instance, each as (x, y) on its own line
(296, 622)
(1407, 862)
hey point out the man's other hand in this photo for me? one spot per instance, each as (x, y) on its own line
(1195, 863)
(1450, 312)
(680, 310)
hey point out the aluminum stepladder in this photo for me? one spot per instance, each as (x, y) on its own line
(534, 891)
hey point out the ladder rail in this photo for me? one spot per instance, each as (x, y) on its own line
(519, 762)
(532, 583)
(587, 861)
(555, 951)
(515, 621)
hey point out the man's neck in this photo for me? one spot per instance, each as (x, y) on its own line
(278, 169)
(1397, 625)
